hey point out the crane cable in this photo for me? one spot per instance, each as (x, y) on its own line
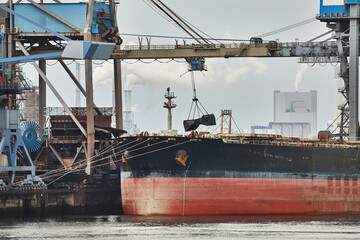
(183, 37)
(93, 159)
(185, 23)
(161, 14)
(179, 21)
(77, 169)
(288, 27)
(189, 28)
(174, 19)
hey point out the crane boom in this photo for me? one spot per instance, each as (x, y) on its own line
(270, 49)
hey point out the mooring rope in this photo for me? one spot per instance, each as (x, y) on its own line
(118, 160)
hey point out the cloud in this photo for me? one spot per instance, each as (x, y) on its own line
(157, 73)
(230, 72)
(132, 79)
(149, 72)
(153, 73)
(103, 74)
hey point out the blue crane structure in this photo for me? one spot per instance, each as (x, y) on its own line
(16, 144)
(343, 16)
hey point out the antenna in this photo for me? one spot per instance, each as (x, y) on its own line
(169, 105)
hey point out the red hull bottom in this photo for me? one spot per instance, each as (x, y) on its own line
(238, 196)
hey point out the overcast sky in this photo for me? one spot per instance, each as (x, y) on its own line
(245, 85)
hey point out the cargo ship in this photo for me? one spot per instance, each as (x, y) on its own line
(238, 174)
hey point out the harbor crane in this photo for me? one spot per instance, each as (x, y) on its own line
(307, 52)
(342, 17)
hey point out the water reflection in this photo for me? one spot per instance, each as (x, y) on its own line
(189, 227)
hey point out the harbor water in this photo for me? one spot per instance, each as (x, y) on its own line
(195, 227)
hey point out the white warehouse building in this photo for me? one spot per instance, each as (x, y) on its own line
(295, 114)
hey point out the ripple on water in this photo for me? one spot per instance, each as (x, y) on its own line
(195, 227)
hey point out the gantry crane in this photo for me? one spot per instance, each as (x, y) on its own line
(341, 16)
(327, 51)
(203, 48)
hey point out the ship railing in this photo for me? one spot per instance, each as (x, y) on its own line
(307, 143)
(269, 139)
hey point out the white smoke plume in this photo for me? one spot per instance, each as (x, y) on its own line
(103, 74)
(140, 73)
(299, 75)
(155, 73)
(229, 72)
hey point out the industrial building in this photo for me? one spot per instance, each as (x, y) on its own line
(295, 114)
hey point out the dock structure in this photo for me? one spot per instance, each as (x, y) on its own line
(52, 202)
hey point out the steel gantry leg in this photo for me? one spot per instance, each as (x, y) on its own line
(118, 94)
(117, 78)
(354, 73)
(42, 93)
(89, 114)
(89, 94)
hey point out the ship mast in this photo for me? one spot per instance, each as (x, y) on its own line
(225, 118)
(169, 105)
